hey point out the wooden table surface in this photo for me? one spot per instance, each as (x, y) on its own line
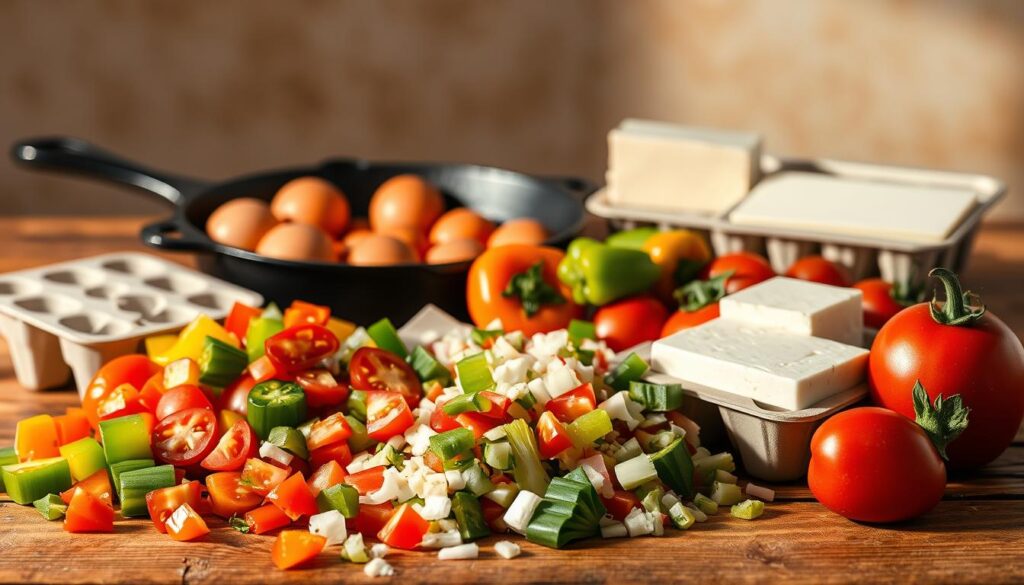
(975, 535)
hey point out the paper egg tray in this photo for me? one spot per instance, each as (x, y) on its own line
(894, 261)
(72, 317)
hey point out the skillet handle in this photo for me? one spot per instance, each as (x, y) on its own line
(176, 236)
(577, 187)
(72, 155)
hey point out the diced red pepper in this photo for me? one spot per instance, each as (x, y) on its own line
(87, 513)
(266, 518)
(552, 438)
(294, 498)
(367, 480)
(573, 404)
(405, 529)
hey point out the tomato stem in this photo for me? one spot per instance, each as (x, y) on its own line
(961, 308)
(700, 293)
(532, 290)
(943, 420)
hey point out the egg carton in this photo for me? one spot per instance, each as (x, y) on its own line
(895, 261)
(70, 318)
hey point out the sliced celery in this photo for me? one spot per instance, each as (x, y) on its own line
(589, 427)
(477, 481)
(526, 466)
(125, 437)
(27, 482)
(471, 402)
(449, 444)
(357, 405)
(51, 506)
(705, 504)
(85, 457)
(635, 472)
(474, 373)
(135, 484)
(116, 469)
(428, 368)
(726, 494)
(384, 334)
(498, 455)
(681, 516)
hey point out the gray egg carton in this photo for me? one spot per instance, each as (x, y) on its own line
(895, 261)
(72, 317)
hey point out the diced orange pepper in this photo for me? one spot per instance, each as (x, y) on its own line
(97, 484)
(327, 475)
(294, 547)
(36, 438)
(72, 426)
(266, 518)
(185, 524)
(87, 513)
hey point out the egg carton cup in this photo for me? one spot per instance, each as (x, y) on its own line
(895, 261)
(68, 319)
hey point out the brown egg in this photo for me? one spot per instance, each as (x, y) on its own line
(297, 241)
(459, 224)
(413, 237)
(405, 201)
(353, 236)
(313, 201)
(240, 223)
(454, 251)
(518, 231)
(380, 250)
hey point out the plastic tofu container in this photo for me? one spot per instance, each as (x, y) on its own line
(895, 261)
(70, 318)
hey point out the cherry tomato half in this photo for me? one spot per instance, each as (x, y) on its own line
(301, 347)
(181, 398)
(321, 388)
(376, 369)
(185, 437)
(629, 322)
(134, 369)
(387, 415)
(235, 446)
(229, 496)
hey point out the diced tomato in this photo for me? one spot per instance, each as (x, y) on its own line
(325, 476)
(181, 398)
(387, 415)
(263, 369)
(372, 519)
(124, 400)
(573, 404)
(321, 388)
(372, 368)
(338, 452)
(238, 319)
(266, 518)
(234, 448)
(333, 429)
(229, 496)
(440, 421)
(185, 524)
(152, 391)
(97, 484)
(262, 477)
(162, 502)
(294, 497)
(477, 422)
(493, 515)
(301, 347)
(405, 529)
(87, 513)
(621, 504)
(185, 437)
(367, 480)
(552, 437)
(294, 547)
(72, 425)
(499, 405)
(302, 313)
(36, 437)
(431, 460)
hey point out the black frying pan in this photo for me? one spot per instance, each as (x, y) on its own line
(362, 294)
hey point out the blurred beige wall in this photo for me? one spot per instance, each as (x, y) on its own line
(215, 89)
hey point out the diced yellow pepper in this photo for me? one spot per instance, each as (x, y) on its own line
(35, 437)
(340, 328)
(228, 418)
(158, 344)
(190, 341)
(183, 371)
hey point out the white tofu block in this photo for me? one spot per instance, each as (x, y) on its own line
(774, 368)
(800, 307)
(657, 165)
(888, 211)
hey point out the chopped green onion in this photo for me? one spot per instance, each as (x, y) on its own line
(116, 469)
(585, 356)
(630, 369)
(341, 497)
(498, 455)
(675, 469)
(353, 550)
(481, 336)
(570, 510)
(260, 330)
(27, 482)
(748, 509)
(503, 494)
(8, 456)
(85, 457)
(652, 499)
(275, 404)
(307, 427)
(474, 374)
(384, 334)
(726, 494)
(526, 466)
(466, 508)
(705, 504)
(51, 506)
(628, 450)
(681, 516)
(357, 405)
(477, 481)
(580, 330)
(635, 472)
(527, 401)
(137, 483)
(449, 444)
(125, 437)
(589, 427)
(359, 440)
(656, 397)
(471, 402)
(220, 363)
(289, 439)
(725, 477)
(428, 368)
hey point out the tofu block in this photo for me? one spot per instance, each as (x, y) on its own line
(886, 211)
(800, 307)
(668, 167)
(775, 368)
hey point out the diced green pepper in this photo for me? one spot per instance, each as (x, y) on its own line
(474, 374)
(341, 497)
(427, 367)
(27, 482)
(466, 508)
(290, 440)
(580, 330)
(85, 457)
(384, 334)
(359, 440)
(220, 363)
(275, 403)
(125, 437)
(260, 330)
(357, 405)
(589, 427)
(51, 506)
(630, 369)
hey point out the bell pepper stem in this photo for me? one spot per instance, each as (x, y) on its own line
(961, 308)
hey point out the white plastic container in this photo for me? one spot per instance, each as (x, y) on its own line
(895, 261)
(72, 317)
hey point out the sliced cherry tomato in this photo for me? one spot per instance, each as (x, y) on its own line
(229, 496)
(87, 513)
(294, 547)
(405, 529)
(367, 480)
(372, 519)
(376, 369)
(128, 369)
(162, 502)
(301, 313)
(266, 518)
(97, 484)
(477, 422)
(338, 452)
(234, 448)
(294, 497)
(552, 437)
(333, 429)
(621, 504)
(186, 437)
(238, 319)
(321, 388)
(263, 369)
(327, 475)
(181, 398)
(236, 396)
(818, 269)
(124, 400)
(185, 524)
(387, 415)
(440, 421)
(262, 477)
(301, 347)
(72, 425)
(573, 404)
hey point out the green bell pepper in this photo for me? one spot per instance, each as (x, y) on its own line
(599, 273)
(633, 239)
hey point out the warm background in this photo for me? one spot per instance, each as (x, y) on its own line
(220, 88)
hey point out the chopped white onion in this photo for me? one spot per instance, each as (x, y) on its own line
(460, 552)
(507, 549)
(271, 451)
(521, 511)
(330, 525)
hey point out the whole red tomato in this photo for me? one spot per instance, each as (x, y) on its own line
(818, 269)
(879, 303)
(873, 465)
(976, 356)
(627, 322)
(747, 270)
(683, 319)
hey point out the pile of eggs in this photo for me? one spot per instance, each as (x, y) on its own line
(309, 219)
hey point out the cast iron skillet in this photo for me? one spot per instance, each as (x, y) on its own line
(361, 294)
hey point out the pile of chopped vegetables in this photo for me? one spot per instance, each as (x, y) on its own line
(334, 436)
